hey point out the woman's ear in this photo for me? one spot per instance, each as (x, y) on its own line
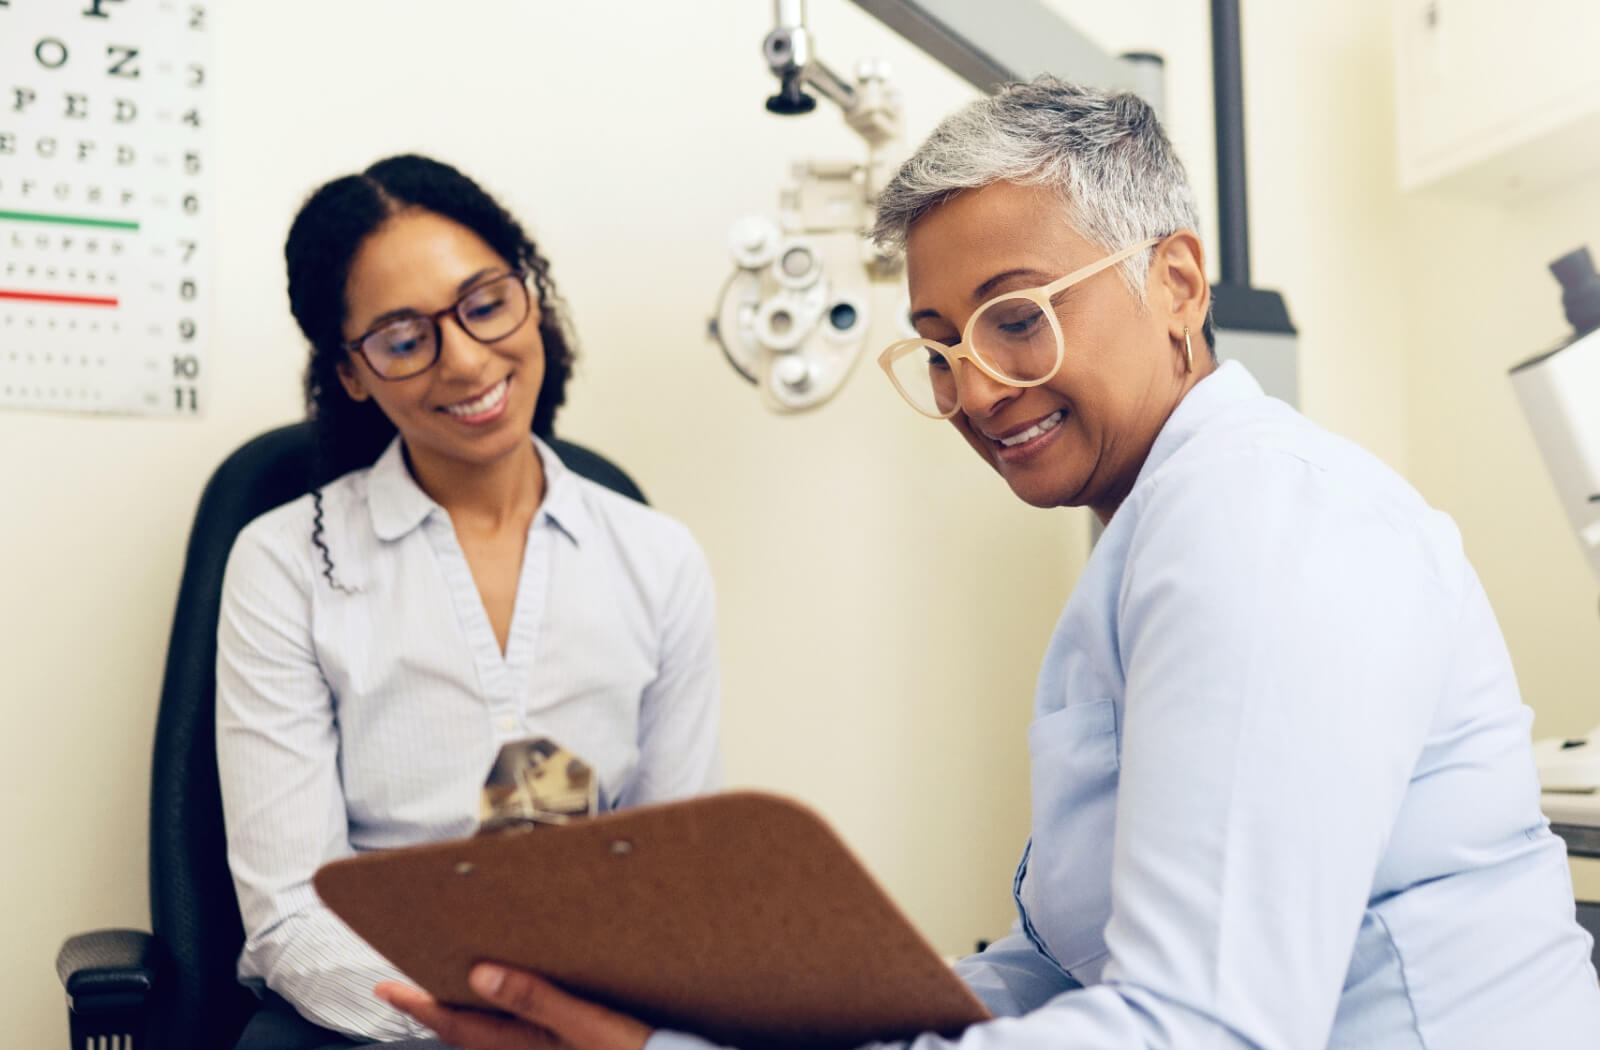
(1180, 282)
(351, 381)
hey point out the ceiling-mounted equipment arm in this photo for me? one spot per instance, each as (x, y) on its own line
(789, 51)
(1000, 41)
(789, 55)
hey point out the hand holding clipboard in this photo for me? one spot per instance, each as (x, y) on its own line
(740, 917)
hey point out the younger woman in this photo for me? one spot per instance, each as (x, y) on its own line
(450, 586)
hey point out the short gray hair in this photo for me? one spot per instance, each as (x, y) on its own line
(1106, 155)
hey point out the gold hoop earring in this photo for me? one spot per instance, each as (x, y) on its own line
(1188, 353)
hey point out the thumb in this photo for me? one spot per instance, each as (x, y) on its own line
(576, 1022)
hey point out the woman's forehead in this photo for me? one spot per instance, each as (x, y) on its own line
(414, 258)
(965, 241)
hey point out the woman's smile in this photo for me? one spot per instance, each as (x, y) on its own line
(484, 408)
(1021, 443)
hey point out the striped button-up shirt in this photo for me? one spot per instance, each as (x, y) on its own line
(364, 713)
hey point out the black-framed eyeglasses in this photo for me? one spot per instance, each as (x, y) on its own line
(402, 347)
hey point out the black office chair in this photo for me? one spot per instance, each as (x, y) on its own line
(1589, 919)
(174, 988)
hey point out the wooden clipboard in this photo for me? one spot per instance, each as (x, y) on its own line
(740, 917)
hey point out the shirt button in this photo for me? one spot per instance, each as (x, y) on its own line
(507, 724)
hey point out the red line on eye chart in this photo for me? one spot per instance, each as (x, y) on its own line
(58, 300)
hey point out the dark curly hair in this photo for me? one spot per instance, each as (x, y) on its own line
(324, 239)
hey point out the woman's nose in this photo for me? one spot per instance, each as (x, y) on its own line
(978, 394)
(459, 353)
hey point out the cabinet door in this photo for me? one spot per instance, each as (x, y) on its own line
(1478, 77)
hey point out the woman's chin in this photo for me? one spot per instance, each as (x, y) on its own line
(1041, 491)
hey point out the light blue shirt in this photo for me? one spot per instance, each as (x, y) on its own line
(366, 716)
(1283, 793)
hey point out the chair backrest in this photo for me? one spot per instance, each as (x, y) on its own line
(193, 911)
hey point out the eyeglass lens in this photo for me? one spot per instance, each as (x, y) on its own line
(1014, 337)
(409, 345)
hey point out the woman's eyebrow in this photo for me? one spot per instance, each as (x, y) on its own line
(475, 278)
(392, 315)
(411, 311)
(986, 289)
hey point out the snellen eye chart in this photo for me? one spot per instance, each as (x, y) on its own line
(104, 202)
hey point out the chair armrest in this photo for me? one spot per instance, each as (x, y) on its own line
(108, 970)
(1589, 919)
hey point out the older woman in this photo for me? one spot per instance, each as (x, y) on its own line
(1283, 795)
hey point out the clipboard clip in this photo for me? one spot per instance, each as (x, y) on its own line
(536, 781)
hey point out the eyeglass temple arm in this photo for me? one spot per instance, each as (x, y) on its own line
(1093, 268)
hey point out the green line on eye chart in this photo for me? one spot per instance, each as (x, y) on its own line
(67, 220)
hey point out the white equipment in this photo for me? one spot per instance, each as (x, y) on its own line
(794, 316)
(1560, 394)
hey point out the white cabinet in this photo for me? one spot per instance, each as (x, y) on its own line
(1498, 99)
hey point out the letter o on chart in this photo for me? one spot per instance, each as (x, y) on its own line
(51, 53)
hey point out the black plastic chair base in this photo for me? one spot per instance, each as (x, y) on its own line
(112, 1030)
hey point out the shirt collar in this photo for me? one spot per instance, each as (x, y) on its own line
(398, 504)
(1228, 385)
(563, 503)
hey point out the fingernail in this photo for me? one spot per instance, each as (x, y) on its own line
(486, 979)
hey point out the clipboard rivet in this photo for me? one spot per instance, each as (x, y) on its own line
(621, 847)
(465, 868)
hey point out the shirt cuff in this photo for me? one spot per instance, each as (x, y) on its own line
(663, 1039)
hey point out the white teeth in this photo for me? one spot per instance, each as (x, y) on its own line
(1045, 425)
(477, 406)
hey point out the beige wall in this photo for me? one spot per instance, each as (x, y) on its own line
(631, 141)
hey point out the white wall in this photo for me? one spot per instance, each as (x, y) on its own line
(884, 600)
